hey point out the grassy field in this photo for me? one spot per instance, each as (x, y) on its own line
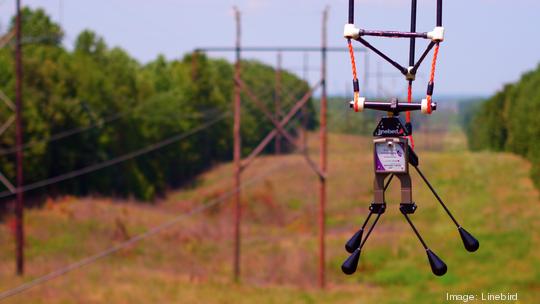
(490, 193)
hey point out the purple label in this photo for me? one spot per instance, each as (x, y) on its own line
(378, 165)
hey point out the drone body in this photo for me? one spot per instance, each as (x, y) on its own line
(393, 141)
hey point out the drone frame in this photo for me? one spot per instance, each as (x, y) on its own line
(404, 136)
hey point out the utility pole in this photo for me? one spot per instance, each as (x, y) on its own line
(19, 207)
(237, 150)
(323, 136)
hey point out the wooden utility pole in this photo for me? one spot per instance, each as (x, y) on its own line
(323, 164)
(237, 151)
(19, 206)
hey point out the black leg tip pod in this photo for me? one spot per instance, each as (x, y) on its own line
(354, 242)
(351, 263)
(438, 267)
(469, 241)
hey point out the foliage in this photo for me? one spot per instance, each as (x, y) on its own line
(120, 105)
(507, 121)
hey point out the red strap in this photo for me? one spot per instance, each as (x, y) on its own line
(409, 100)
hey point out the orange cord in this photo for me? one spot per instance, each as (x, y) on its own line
(434, 63)
(432, 75)
(355, 75)
(353, 61)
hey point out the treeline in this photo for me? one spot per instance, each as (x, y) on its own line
(508, 121)
(93, 103)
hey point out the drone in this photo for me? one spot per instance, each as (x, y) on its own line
(393, 142)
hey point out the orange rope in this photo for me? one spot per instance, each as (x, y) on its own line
(355, 75)
(434, 63)
(353, 61)
(432, 75)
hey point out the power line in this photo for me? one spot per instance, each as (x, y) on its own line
(273, 49)
(62, 134)
(115, 160)
(91, 259)
(82, 129)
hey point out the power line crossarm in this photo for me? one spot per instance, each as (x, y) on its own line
(274, 49)
(283, 122)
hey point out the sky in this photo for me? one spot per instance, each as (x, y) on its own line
(488, 42)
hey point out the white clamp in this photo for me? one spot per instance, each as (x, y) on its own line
(350, 31)
(410, 76)
(437, 35)
(424, 106)
(361, 101)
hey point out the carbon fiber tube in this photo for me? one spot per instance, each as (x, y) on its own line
(351, 11)
(412, 47)
(384, 56)
(395, 107)
(439, 12)
(393, 34)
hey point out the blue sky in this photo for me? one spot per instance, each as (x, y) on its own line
(488, 43)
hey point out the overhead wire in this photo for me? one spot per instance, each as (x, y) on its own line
(116, 160)
(61, 135)
(287, 100)
(78, 130)
(105, 253)
(91, 259)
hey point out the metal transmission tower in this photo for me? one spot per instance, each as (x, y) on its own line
(279, 120)
(5, 40)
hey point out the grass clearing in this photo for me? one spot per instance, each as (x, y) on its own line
(489, 193)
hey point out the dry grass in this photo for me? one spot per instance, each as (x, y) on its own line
(191, 263)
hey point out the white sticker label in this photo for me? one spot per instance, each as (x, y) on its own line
(390, 158)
